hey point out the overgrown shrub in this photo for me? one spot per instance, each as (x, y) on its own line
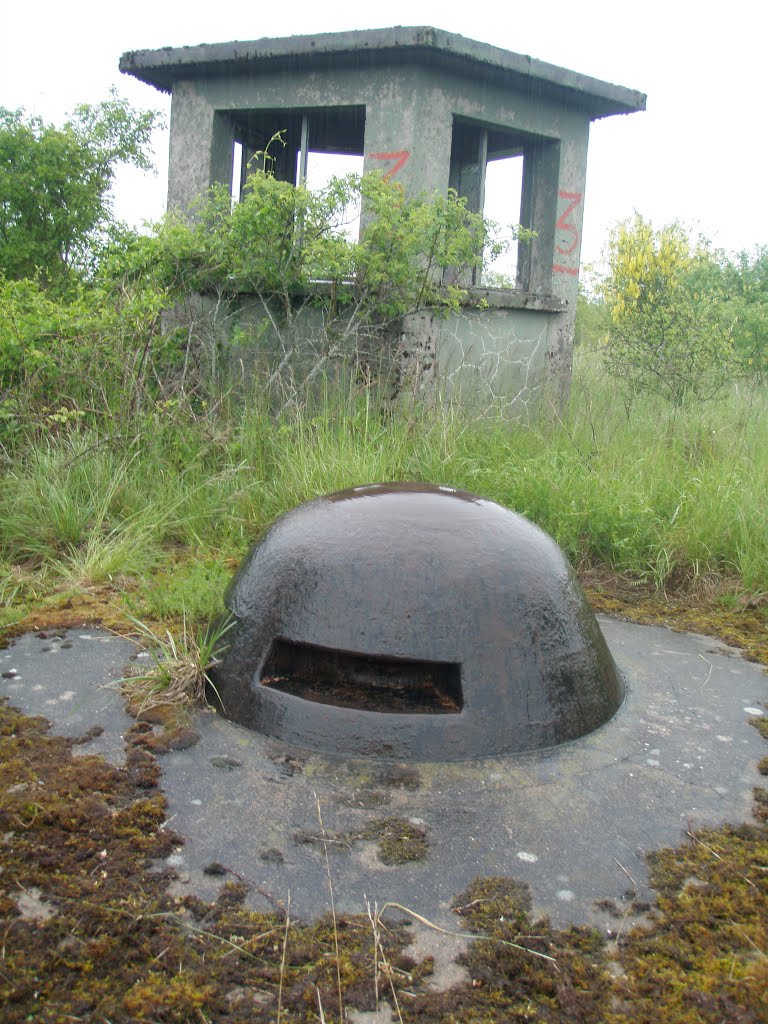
(160, 314)
(93, 356)
(668, 335)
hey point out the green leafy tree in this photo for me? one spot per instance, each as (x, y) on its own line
(668, 333)
(98, 351)
(743, 285)
(55, 205)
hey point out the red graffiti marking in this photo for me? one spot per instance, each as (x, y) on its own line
(401, 158)
(563, 224)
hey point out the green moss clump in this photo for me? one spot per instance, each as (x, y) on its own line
(700, 961)
(399, 841)
(493, 905)
(176, 998)
(519, 970)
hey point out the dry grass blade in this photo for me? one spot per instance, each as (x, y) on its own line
(374, 919)
(754, 945)
(380, 957)
(698, 841)
(465, 935)
(333, 909)
(282, 959)
(626, 873)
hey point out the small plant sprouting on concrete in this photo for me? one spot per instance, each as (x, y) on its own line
(179, 670)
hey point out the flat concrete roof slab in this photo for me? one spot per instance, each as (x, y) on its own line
(573, 822)
(359, 49)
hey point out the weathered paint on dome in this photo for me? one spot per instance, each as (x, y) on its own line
(417, 622)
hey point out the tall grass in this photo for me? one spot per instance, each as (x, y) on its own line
(660, 494)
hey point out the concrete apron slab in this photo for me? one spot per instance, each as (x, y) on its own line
(573, 822)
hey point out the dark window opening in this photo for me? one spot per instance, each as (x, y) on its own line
(306, 138)
(303, 147)
(495, 169)
(341, 679)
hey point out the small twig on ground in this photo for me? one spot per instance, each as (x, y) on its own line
(276, 903)
(709, 674)
(626, 873)
(472, 903)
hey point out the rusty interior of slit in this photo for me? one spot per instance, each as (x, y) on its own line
(362, 682)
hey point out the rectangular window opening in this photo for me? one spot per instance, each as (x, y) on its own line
(280, 134)
(303, 147)
(363, 682)
(491, 167)
(320, 169)
(236, 185)
(503, 201)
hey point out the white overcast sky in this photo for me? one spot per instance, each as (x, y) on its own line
(698, 154)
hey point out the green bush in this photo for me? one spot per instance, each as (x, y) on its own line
(668, 335)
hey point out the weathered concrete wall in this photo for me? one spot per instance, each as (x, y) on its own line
(200, 151)
(486, 357)
(409, 117)
(299, 355)
(494, 357)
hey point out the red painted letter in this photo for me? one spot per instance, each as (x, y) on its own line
(563, 224)
(400, 159)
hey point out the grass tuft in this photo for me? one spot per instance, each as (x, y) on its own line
(179, 673)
